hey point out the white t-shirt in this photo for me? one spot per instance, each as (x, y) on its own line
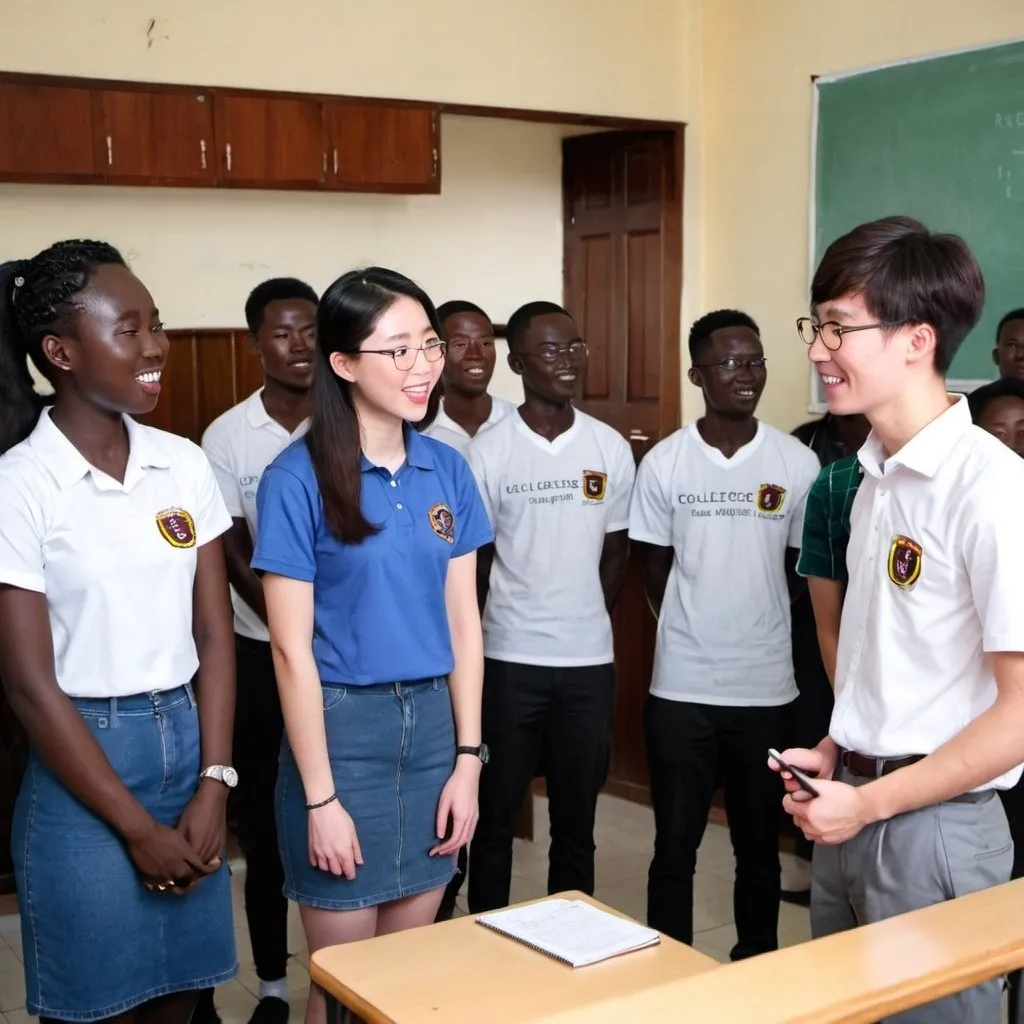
(935, 558)
(240, 444)
(551, 504)
(116, 561)
(444, 428)
(724, 628)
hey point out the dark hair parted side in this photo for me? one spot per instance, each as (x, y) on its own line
(346, 317)
(519, 321)
(1006, 387)
(702, 329)
(277, 289)
(1014, 314)
(456, 306)
(37, 299)
(906, 274)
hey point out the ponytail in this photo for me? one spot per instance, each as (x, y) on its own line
(19, 403)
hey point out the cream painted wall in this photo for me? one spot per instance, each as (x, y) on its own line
(756, 116)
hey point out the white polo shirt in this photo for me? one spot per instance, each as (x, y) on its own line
(724, 629)
(444, 428)
(936, 555)
(240, 444)
(116, 562)
(550, 504)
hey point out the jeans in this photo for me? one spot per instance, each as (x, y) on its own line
(531, 713)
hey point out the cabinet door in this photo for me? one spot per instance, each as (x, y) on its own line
(379, 148)
(265, 142)
(46, 134)
(155, 138)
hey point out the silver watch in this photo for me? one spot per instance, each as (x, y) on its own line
(221, 773)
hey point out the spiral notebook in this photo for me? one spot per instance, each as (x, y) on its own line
(574, 932)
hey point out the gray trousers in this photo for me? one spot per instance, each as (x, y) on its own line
(913, 861)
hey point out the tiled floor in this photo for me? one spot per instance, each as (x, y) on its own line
(624, 834)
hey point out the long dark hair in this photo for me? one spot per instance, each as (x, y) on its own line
(36, 299)
(346, 317)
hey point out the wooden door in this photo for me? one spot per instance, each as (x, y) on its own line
(622, 196)
(155, 138)
(47, 134)
(269, 142)
(380, 148)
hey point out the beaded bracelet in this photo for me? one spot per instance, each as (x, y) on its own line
(323, 803)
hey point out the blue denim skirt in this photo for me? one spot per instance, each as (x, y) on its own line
(96, 941)
(392, 749)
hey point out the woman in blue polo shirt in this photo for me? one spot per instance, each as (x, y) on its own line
(368, 538)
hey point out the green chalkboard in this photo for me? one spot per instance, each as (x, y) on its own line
(941, 140)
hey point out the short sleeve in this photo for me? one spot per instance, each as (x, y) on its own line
(478, 466)
(993, 552)
(218, 451)
(212, 518)
(21, 537)
(650, 510)
(289, 512)
(816, 555)
(472, 525)
(623, 475)
(807, 472)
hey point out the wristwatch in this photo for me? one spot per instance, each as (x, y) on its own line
(221, 773)
(482, 752)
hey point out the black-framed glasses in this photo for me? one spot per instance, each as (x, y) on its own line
(734, 364)
(405, 355)
(832, 333)
(550, 352)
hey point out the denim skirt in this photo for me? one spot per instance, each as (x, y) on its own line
(96, 941)
(392, 749)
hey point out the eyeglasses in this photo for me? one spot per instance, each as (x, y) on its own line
(732, 364)
(832, 333)
(550, 353)
(457, 345)
(405, 355)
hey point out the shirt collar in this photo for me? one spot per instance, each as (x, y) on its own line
(258, 418)
(926, 451)
(442, 419)
(417, 451)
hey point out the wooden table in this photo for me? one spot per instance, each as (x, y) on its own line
(460, 971)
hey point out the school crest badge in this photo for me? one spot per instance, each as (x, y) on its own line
(595, 484)
(904, 562)
(442, 522)
(770, 498)
(177, 527)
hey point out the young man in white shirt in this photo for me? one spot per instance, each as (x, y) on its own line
(467, 408)
(718, 507)
(556, 485)
(240, 444)
(929, 715)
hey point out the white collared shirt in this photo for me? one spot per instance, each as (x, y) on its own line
(240, 444)
(116, 561)
(444, 428)
(936, 563)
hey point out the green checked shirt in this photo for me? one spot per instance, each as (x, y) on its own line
(827, 520)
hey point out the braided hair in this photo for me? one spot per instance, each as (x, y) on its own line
(37, 299)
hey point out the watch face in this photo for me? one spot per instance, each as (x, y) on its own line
(230, 777)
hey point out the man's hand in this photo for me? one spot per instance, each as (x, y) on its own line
(837, 814)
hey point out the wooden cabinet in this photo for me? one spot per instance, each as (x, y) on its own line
(155, 138)
(47, 134)
(377, 147)
(270, 142)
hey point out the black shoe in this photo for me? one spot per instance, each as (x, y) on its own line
(799, 897)
(205, 1012)
(270, 1010)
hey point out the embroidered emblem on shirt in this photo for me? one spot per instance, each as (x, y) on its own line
(595, 484)
(904, 562)
(442, 521)
(177, 527)
(770, 498)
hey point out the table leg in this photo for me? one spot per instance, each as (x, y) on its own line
(336, 1013)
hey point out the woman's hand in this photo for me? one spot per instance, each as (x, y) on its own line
(333, 843)
(164, 857)
(204, 821)
(459, 802)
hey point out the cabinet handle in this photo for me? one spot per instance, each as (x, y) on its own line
(110, 151)
(433, 173)
(202, 152)
(227, 155)
(335, 162)
(325, 163)
(636, 434)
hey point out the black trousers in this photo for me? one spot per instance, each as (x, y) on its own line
(259, 727)
(563, 718)
(691, 749)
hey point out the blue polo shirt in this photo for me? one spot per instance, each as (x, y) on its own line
(379, 612)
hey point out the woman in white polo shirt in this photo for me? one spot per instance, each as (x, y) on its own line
(112, 580)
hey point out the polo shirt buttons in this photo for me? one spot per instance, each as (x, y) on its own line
(394, 483)
(399, 505)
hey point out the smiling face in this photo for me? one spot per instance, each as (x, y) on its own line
(380, 387)
(469, 364)
(115, 353)
(551, 358)
(1009, 351)
(286, 341)
(732, 390)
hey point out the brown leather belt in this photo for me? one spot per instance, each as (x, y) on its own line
(875, 767)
